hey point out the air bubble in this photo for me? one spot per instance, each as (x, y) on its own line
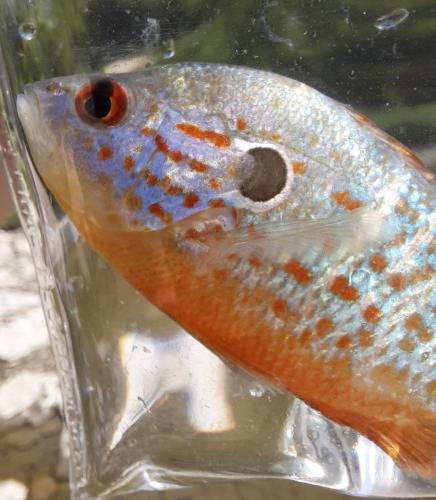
(169, 49)
(392, 20)
(27, 31)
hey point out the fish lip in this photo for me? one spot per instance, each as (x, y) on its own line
(27, 102)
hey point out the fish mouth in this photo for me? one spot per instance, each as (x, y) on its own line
(35, 126)
(28, 109)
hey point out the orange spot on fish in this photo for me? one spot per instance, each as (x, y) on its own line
(414, 323)
(215, 138)
(298, 167)
(377, 263)
(216, 203)
(191, 199)
(406, 345)
(297, 271)
(175, 156)
(156, 210)
(240, 124)
(214, 183)
(174, 190)
(305, 337)
(343, 342)
(371, 314)
(275, 136)
(323, 327)
(169, 188)
(146, 131)
(128, 163)
(397, 281)
(198, 166)
(365, 338)
(131, 201)
(254, 262)
(149, 178)
(340, 288)
(104, 153)
(343, 198)
(161, 145)
(279, 307)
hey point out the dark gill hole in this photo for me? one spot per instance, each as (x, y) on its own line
(267, 177)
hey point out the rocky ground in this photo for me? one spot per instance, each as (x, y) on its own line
(33, 461)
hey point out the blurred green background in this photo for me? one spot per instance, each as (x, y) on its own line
(384, 68)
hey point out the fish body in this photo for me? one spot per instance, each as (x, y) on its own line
(278, 227)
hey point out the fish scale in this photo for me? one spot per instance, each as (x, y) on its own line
(326, 288)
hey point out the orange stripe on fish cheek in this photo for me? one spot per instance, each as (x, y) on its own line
(191, 199)
(216, 203)
(128, 163)
(156, 210)
(198, 166)
(215, 138)
(161, 145)
(176, 156)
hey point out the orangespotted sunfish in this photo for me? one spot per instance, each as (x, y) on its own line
(280, 228)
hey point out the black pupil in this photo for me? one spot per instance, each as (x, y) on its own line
(98, 104)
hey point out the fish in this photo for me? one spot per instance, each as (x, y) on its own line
(279, 227)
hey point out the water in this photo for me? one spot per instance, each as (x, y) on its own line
(148, 407)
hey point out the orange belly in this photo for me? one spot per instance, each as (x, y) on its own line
(203, 304)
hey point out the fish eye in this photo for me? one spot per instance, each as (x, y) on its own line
(103, 101)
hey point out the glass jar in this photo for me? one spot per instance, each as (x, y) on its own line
(147, 406)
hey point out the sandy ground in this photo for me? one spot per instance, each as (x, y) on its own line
(33, 462)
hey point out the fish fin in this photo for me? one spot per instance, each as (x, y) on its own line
(412, 444)
(407, 435)
(411, 158)
(306, 240)
(254, 383)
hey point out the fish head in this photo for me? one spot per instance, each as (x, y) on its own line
(118, 148)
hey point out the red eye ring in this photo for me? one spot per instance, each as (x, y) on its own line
(104, 101)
